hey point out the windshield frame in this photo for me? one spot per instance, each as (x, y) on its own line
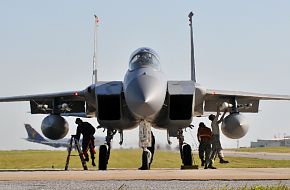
(144, 59)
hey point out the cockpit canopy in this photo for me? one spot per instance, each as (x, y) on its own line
(144, 57)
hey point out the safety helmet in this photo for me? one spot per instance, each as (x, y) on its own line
(78, 120)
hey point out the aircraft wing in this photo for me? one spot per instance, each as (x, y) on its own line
(73, 95)
(75, 103)
(249, 102)
(43, 103)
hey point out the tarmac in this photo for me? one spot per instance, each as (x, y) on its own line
(167, 179)
(154, 174)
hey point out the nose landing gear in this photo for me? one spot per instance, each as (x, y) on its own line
(147, 142)
(146, 159)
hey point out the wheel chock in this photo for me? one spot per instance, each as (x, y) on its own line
(193, 167)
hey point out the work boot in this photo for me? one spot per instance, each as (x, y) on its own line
(206, 165)
(202, 162)
(222, 161)
(211, 167)
(142, 168)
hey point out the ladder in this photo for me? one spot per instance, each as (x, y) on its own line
(77, 144)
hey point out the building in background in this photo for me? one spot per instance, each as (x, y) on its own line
(272, 142)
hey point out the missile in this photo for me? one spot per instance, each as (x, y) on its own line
(225, 105)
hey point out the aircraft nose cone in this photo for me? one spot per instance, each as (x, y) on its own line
(145, 96)
(142, 103)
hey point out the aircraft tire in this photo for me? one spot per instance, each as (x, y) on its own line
(103, 157)
(187, 156)
(146, 157)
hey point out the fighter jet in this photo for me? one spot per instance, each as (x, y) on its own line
(145, 98)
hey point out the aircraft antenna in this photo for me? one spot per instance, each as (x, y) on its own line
(192, 48)
(95, 60)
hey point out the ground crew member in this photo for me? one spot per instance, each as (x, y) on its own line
(216, 144)
(151, 149)
(88, 131)
(204, 136)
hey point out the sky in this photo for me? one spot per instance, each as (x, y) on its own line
(47, 46)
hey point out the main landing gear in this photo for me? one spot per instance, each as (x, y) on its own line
(104, 152)
(185, 149)
(185, 152)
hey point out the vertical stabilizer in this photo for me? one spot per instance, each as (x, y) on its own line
(33, 134)
(95, 59)
(193, 78)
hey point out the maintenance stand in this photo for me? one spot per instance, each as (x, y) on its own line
(77, 145)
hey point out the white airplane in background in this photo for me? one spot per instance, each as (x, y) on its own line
(145, 98)
(35, 137)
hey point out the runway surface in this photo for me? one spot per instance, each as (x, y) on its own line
(137, 184)
(155, 174)
(136, 179)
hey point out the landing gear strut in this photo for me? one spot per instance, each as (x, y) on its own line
(104, 153)
(185, 151)
(147, 142)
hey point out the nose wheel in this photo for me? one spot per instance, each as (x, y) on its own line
(146, 159)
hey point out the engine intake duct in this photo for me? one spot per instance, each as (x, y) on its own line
(109, 107)
(180, 107)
